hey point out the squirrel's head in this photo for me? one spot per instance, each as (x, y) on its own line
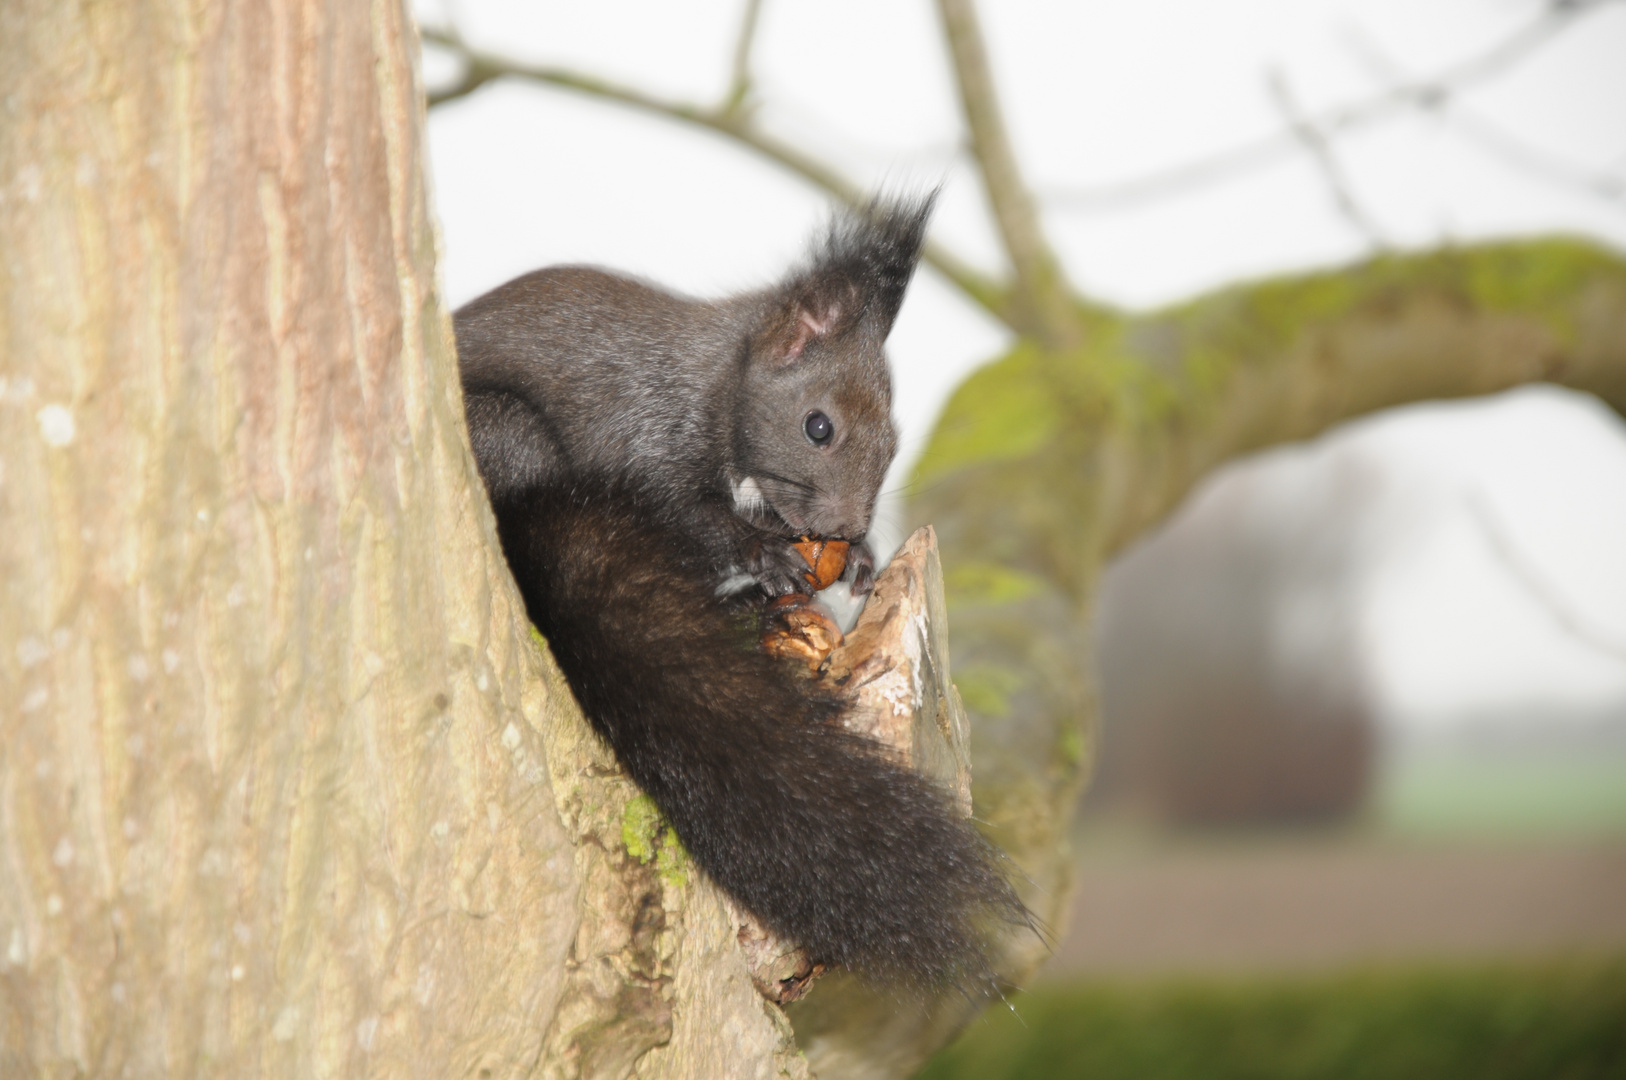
(815, 435)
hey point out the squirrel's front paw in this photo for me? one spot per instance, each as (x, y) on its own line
(861, 568)
(778, 568)
(808, 565)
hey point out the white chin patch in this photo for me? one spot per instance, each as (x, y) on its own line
(748, 496)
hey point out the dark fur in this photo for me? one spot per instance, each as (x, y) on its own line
(613, 423)
(860, 861)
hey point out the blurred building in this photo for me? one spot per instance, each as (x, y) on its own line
(1438, 585)
(1229, 651)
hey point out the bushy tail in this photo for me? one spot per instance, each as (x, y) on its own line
(861, 861)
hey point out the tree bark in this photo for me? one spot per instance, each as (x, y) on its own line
(269, 802)
(286, 786)
(1041, 304)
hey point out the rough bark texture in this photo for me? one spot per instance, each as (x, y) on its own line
(269, 802)
(895, 663)
(286, 787)
(656, 983)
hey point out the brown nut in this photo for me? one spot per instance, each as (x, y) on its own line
(825, 559)
(799, 629)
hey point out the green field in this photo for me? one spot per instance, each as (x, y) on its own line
(1552, 1022)
(1538, 793)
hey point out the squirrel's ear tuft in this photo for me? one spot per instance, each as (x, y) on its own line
(858, 273)
(875, 249)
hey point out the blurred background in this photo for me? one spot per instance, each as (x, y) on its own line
(1352, 707)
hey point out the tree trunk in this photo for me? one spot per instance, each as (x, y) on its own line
(286, 787)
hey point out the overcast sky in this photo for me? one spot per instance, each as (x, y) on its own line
(1097, 95)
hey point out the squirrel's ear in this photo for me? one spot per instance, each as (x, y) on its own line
(807, 315)
(811, 323)
(858, 273)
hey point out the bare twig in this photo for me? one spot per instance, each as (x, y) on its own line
(480, 68)
(1320, 150)
(1426, 93)
(739, 88)
(1539, 589)
(1488, 136)
(1041, 287)
(1493, 140)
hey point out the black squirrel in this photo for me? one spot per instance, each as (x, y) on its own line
(651, 459)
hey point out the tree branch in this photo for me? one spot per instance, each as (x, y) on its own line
(1044, 297)
(740, 86)
(1498, 143)
(1320, 150)
(1274, 363)
(1536, 586)
(732, 122)
(1488, 136)
(1427, 93)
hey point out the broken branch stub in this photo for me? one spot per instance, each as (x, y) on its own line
(894, 666)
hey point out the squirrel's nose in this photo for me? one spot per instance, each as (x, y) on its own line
(839, 518)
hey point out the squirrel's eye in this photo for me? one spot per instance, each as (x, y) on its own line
(819, 428)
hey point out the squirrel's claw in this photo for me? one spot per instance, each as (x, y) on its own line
(779, 568)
